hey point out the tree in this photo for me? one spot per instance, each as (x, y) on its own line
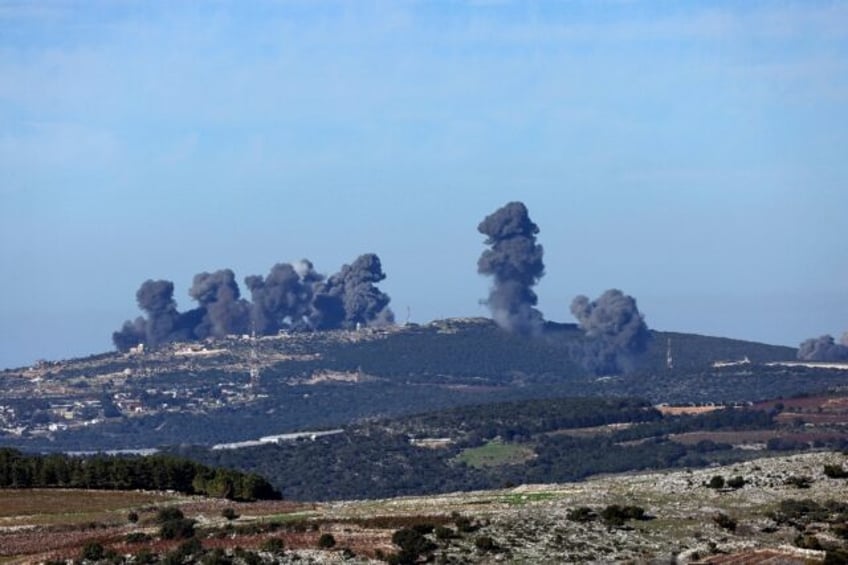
(326, 541)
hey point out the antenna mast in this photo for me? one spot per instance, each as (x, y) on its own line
(254, 358)
(669, 360)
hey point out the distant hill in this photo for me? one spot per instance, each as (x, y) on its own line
(201, 393)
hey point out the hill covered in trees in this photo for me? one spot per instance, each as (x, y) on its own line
(529, 442)
(238, 388)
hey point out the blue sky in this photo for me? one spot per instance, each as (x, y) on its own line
(691, 154)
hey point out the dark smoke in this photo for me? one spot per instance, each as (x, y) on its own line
(349, 298)
(282, 299)
(292, 297)
(224, 312)
(824, 348)
(616, 332)
(515, 262)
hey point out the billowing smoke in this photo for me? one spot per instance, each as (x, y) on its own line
(824, 348)
(615, 330)
(349, 298)
(292, 297)
(515, 262)
(224, 312)
(282, 299)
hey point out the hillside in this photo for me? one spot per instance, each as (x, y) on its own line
(530, 441)
(203, 393)
(655, 517)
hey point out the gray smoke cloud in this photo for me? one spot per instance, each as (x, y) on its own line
(350, 298)
(224, 311)
(616, 331)
(824, 348)
(283, 299)
(294, 297)
(515, 261)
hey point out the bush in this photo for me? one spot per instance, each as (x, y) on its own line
(736, 482)
(717, 482)
(799, 481)
(464, 524)
(229, 513)
(326, 541)
(248, 557)
(92, 551)
(216, 557)
(177, 529)
(615, 515)
(412, 544)
(444, 533)
(582, 514)
(273, 545)
(132, 517)
(485, 543)
(137, 537)
(423, 528)
(144, 555)
(835, 472)
(168, 514)
(725, 522)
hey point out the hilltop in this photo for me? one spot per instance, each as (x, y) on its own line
(239, 388)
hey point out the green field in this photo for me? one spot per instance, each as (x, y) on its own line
(495, 453)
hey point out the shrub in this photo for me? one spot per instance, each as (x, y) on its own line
(229, 513)
(799, 481)
(412, 544)
(725, 522)
(736, 482)
(835, 472)
(464, 524)
(137, 537)
(177, 529)
(582, 514)
(443, 533)
(273, 545)
(248, 557)
(423, 528)
(168, 514)
(326, 541)
(615, 515)
(836, 556)
(717, 482)
(132, 517)
(216, 557)
(485, 543)
(144, 556)
(92, 551)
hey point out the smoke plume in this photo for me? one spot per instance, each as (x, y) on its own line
(283, 298)
(824, 348)
(224, 312)
(616, 332)
(515, 261)
(349, 298)
(293, 297)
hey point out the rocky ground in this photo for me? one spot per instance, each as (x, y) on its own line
(525, 524)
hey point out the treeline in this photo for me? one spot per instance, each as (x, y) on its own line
(154, 472)
(522, 419)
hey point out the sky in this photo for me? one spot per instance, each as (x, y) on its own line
(691, 154)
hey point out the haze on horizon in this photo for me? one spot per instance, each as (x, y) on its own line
(691, 155)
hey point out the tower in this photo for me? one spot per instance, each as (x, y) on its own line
(669, 360)
(254, 360)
